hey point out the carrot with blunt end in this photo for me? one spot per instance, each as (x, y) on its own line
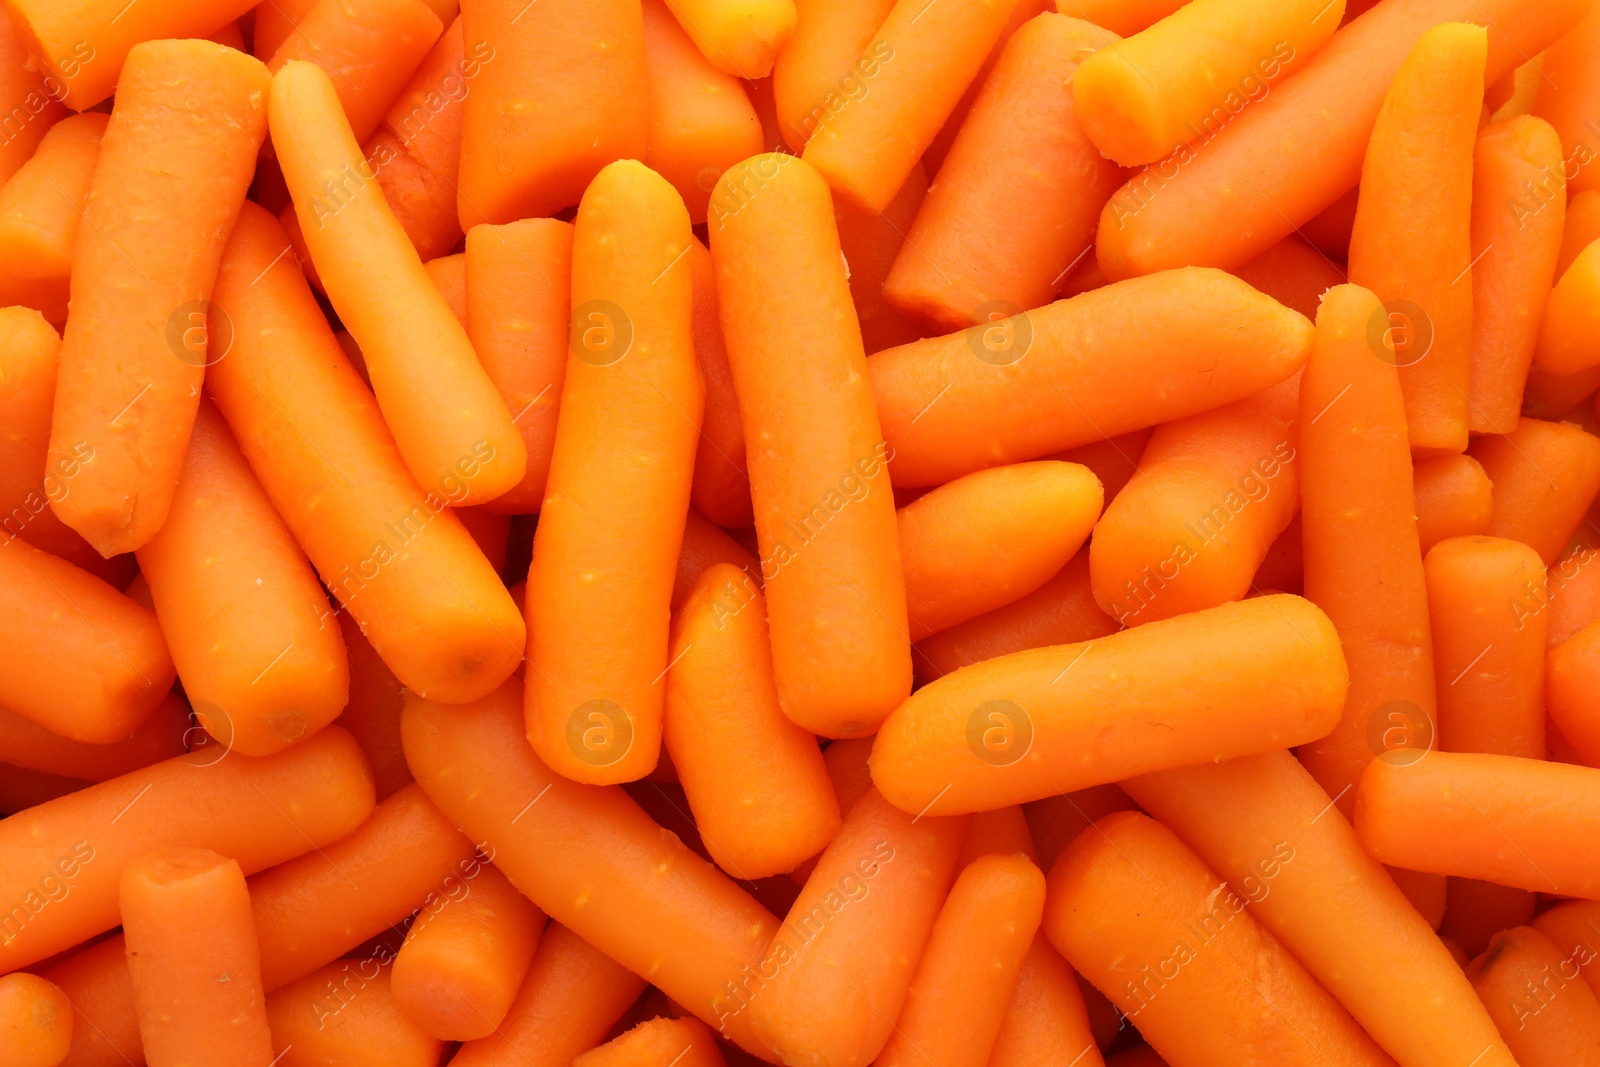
(1572, 690)
(35, 1021)
(839, 970)
(1453, 498)
(721, 489)
(1116, 359)
(192, 953)
(448, 421)
(1178, 952)
(739, 37)
(30, 96)
(174, 165)
(658, 1042)
(162, 735)
(959, 997)
(824, 514)
(1045, 1022)
(1171, 84)
(924, 57)
(1264, 824)
(1574, 583)
(871, 242)
(1568, 96)
(1545, 476)
(1518, 208)
(1547, 1014)
(620, 474)
(1213, 492)
(756, 782)
(590, 857)
(518, 280)
(40, 206)
(991, 537)
(1363, 561)
(1016, 201)
(1574, 926)
(564, 96)
(821, 64)
(704, 546)
(348, 1016)
(1567, 342)
(568, 1001)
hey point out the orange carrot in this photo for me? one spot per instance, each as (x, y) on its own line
(35, 1021)
(1051, 720)
(1574, 583)
(39, 210)
(871, 241)
(1056, 820)
(1582, 226)
(658, 1042)
(564, 96)
(273, 21)
(1045, 1021)
(1000, 832)
(1574, 927)
(738, 37)
(174, 165)
(1453, 498)
(193, 957)
(1116, 359)
(1572, 674)
(704, 546)
(1568, 96)
(347, 1015)
(1122, 17)
(30, 98)
(1554, 396)
(1023, 12)
(721, 489)
(823, 510)
(1566, 336)
(1545, 476)
(1546, 1013)
(821, 64)
(161, 736)
(1292, 273)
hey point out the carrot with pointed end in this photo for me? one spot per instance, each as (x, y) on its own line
(1545, 476)
(1453, 498)
(658, 1042)
(1568, 96)
(1547, 1014)
(721, 490)
(346, 1014)
(818, 66)
(35, 1021)
(40, 206)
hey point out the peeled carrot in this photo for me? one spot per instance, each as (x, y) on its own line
(1568, 96)
(1140, 916)
(1566, 335)
(1293, 273)
(1122, 17)
(35, 1021)
(658, 1042)
(824, 514)
(721, 489)
(871, 241)
(1022, 12)
(1045, 1021)
(739, 37)
(1574, 584)
(40, 206)
(1572, 674)
(1263, 823)
(1213, 492)
(1554, 396)
(314, 436)
(193, 957)
(31, 98)
(1116, 359)
(1518, 208)
(926, 56)
(821, 64)
(273, 21)
(704, 546)
(1184, 77)
(1000, 832)
(620, 472)
(1052, 720)
(567, 1003)
(1582, 226)
(1545, 476)
(564, 96)
(590, 857)
(161, 736)
(347, 1015)
(1548, 1015)
(450, 424)
(174, 165)
(1574, 927)
(1016, 201)
(1453, 498)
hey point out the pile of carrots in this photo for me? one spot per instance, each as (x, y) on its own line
(686, 533)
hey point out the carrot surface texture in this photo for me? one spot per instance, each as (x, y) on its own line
(35, 1021)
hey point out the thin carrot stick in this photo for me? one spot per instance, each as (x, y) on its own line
(1453, 498)
(35, 1021)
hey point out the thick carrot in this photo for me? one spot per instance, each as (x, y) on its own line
(721, 489)
(1045, 1022)
(397, 558)
(1116, 359)
(658, 1042)
(1213, 493)
(40, 206)
(1518, 209)
(919, 63)
(348, 1016)
(755, 781)
(1568, 96)
(448, 421)
(821, 64)
(704, 546)
(564, 96)
(1547, 1014)
(1296, 151)
(590, 857)
(1139, 915)
(1574, 926)
(1184, 77)
(1052, 720)
(1363, 561)
(194, 961)
(970, 967)
(1504, 819)
(1016, 201)
(174, 165)
(1122, 17)
(871, 242)
(1263, 823)
(1567, 334)
(1545, 476)
(1453, 498)
(569, 1000)
(824, 514)
(35, 1021)
(1293, 273)
(161, 736)
(518, 295)
(1572, 682)
(620, 472)
(990, 538)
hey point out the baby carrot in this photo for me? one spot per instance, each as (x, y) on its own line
(658, 1042)
(564, 96)
(1568, 96)
(1185, 76)
(194, 961)
(739, 37)
(1045, 1021)
(460, 966)
(704, 546)
(1517, 213)
(620, 472)
(1139, 915)
(40, 206)
(756, 782)
(821, 65)
(999, 832)
(1120, 358)
(1567, 334)
(348, 1016)
(29, 97)
(1572, 683)
(1362, 564)
(174, 165)
(871, 242)
(161, 736)
(926, 57)
(969, 969)
(1453, 498)
(1052, 720)
(1293, 273)
(1213, 492)
(1581, 228)
(1547, 1014)
(590, 857)
(1574, 582)
(1574, 926)
(1263, 823)
(1022, 12)
(569, 1000)
(1016, 201)
(272, 22)
(396, 558)
(824, 513)
(35, 1021)
(1545, 476)
(448, 420)
(721, 489)
(991, 537)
